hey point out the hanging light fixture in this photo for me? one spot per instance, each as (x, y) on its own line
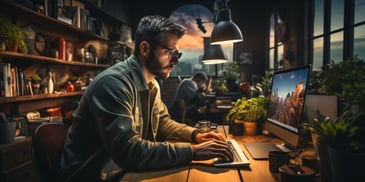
(213, 54)
(225, 30)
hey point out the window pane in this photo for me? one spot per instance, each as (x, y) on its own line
(359, 41)
(318, 17)
(272, 30)
(337, 14)
(336, 47)
(317, 54)
(359, 11)
(271, 62)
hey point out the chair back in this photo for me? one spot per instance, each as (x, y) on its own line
(47, 146)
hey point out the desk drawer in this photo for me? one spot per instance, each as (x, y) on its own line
(14, 154)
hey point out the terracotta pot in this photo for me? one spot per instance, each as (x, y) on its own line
(250, 128)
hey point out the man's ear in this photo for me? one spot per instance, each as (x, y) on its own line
(145, 48)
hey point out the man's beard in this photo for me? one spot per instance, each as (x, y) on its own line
(155, 67)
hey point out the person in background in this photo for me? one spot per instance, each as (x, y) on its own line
(121, 123)
(288, 60)
(192, 91)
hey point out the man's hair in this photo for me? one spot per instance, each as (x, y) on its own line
(200, 75)
(152, 28)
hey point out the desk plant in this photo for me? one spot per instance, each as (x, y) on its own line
(339, 142)
(12, 37)
(248, 111)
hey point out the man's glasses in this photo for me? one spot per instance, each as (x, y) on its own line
(175, 55)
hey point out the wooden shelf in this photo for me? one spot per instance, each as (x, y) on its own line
(16, 9)
(38, 97)
(25, 57)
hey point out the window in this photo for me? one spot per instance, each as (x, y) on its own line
(338, 31)
(192, 44)
(276, 48)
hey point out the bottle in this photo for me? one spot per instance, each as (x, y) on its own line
(50, 83)
(62, 48)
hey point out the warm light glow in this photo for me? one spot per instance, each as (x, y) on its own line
(227, 41)
(214, 61)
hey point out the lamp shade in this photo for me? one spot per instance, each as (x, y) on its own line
(213, 54)
(225, 31)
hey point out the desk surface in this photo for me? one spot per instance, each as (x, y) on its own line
(204, 171)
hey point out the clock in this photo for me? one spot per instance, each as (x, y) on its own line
(40, 43)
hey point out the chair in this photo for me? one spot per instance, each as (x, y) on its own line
(47, 145)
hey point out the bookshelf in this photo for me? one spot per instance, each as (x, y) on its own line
(33, 62)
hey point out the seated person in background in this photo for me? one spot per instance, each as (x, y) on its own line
(191, 90)
(121, 123)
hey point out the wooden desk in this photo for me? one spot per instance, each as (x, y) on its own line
(204, 171)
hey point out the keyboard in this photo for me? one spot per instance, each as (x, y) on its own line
(240, 158)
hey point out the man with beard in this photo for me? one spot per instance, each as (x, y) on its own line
(121, 122)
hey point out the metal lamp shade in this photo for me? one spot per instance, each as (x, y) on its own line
(225, 31)
(213, 54)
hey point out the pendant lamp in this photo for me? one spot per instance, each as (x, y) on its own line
(213, 54)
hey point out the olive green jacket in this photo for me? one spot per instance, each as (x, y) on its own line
(119, 119)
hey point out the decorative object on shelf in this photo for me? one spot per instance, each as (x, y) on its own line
(248, 110)
(62, 48)
(70, 87)
(36, 83)
(12, 37)
(50, 84)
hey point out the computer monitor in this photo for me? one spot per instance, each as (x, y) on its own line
(285, 111)
(286, 104)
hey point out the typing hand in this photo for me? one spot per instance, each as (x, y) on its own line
(212, 149)
(203, 137)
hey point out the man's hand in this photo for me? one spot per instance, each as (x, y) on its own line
(212, 149)
(203, 137)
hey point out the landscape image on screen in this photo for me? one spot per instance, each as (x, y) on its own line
(287, 99)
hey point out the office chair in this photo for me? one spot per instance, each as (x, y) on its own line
(47, 145)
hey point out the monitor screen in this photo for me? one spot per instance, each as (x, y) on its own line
(286, 105)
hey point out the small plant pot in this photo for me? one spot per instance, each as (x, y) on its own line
(250, 128)
(35, 88)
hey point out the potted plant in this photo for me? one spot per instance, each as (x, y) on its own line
(338, 143)
(220, 87)
(36, 83)
(12, 37)
(231, 75)
(345, 79)
(249, 112)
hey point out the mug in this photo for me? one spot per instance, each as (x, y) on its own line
(277, 159)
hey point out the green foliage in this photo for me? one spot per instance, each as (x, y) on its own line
(265, 82)
(345, 79)
(10, 34)
(252, 109)
(36, 78)
(220, 85)
(231, 70)
(345, 133)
